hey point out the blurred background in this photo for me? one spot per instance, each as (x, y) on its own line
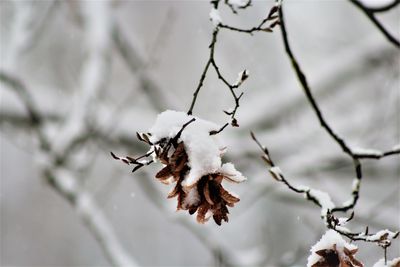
(79, 78)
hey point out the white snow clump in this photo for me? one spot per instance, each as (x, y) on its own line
(204, 150)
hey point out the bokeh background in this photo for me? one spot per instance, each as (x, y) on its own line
(99, 71)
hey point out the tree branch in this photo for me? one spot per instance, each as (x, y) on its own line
(370, 13)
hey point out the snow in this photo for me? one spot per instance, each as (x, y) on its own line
(343, 229)
(238, 3)
(204, 150)
(364, 151)
(348, 202)
(343, 221)
(215, 17)
(396, 147)
(356, 185)
(379, 235)
(327, 241)
(323, 198)
(242, 76)
(83, 203)
(392, 263)
(303, 188)
(376, 3)
(229, 170)
(192, 198)
(65, 181)
(276, 172)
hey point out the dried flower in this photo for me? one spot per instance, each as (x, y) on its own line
(331, 257)
(207, 196)
(333, 251)
(191, 156)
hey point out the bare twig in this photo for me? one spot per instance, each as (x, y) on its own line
(62, 181)
(341, 142)
(370, 13)
(158, 98)
(211, 62)
(385, 7)
(322, 200)
(34, 115)
(272, 18)
(303, 81)
(91, 215)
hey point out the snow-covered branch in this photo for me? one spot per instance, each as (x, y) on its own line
(68, 186)
(328, 208)
(90, 213)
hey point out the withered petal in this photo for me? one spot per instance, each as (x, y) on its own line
(217, 218)
(179, 165)
(320, 264)
(206, 192)
(229, 198)
(192, 210)
(224, 209)
(164, 157)
(349, 252)
(174, 191)
(230, 204)
(179, 152)
(322, 252)
(164, 173)
(218, 179)
(181, 197)
(227, 177)
(201, 213)
(357, 263)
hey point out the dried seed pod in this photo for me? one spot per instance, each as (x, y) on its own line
(333, 251)
(207, 195)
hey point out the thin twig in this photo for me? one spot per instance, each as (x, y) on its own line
(303, 81)
(92, 216)
(211, 62)
(370, 14)
(319, 198)
(384, 8)
(338, 139)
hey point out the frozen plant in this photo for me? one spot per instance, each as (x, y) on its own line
(191, 156)
(333, 251)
